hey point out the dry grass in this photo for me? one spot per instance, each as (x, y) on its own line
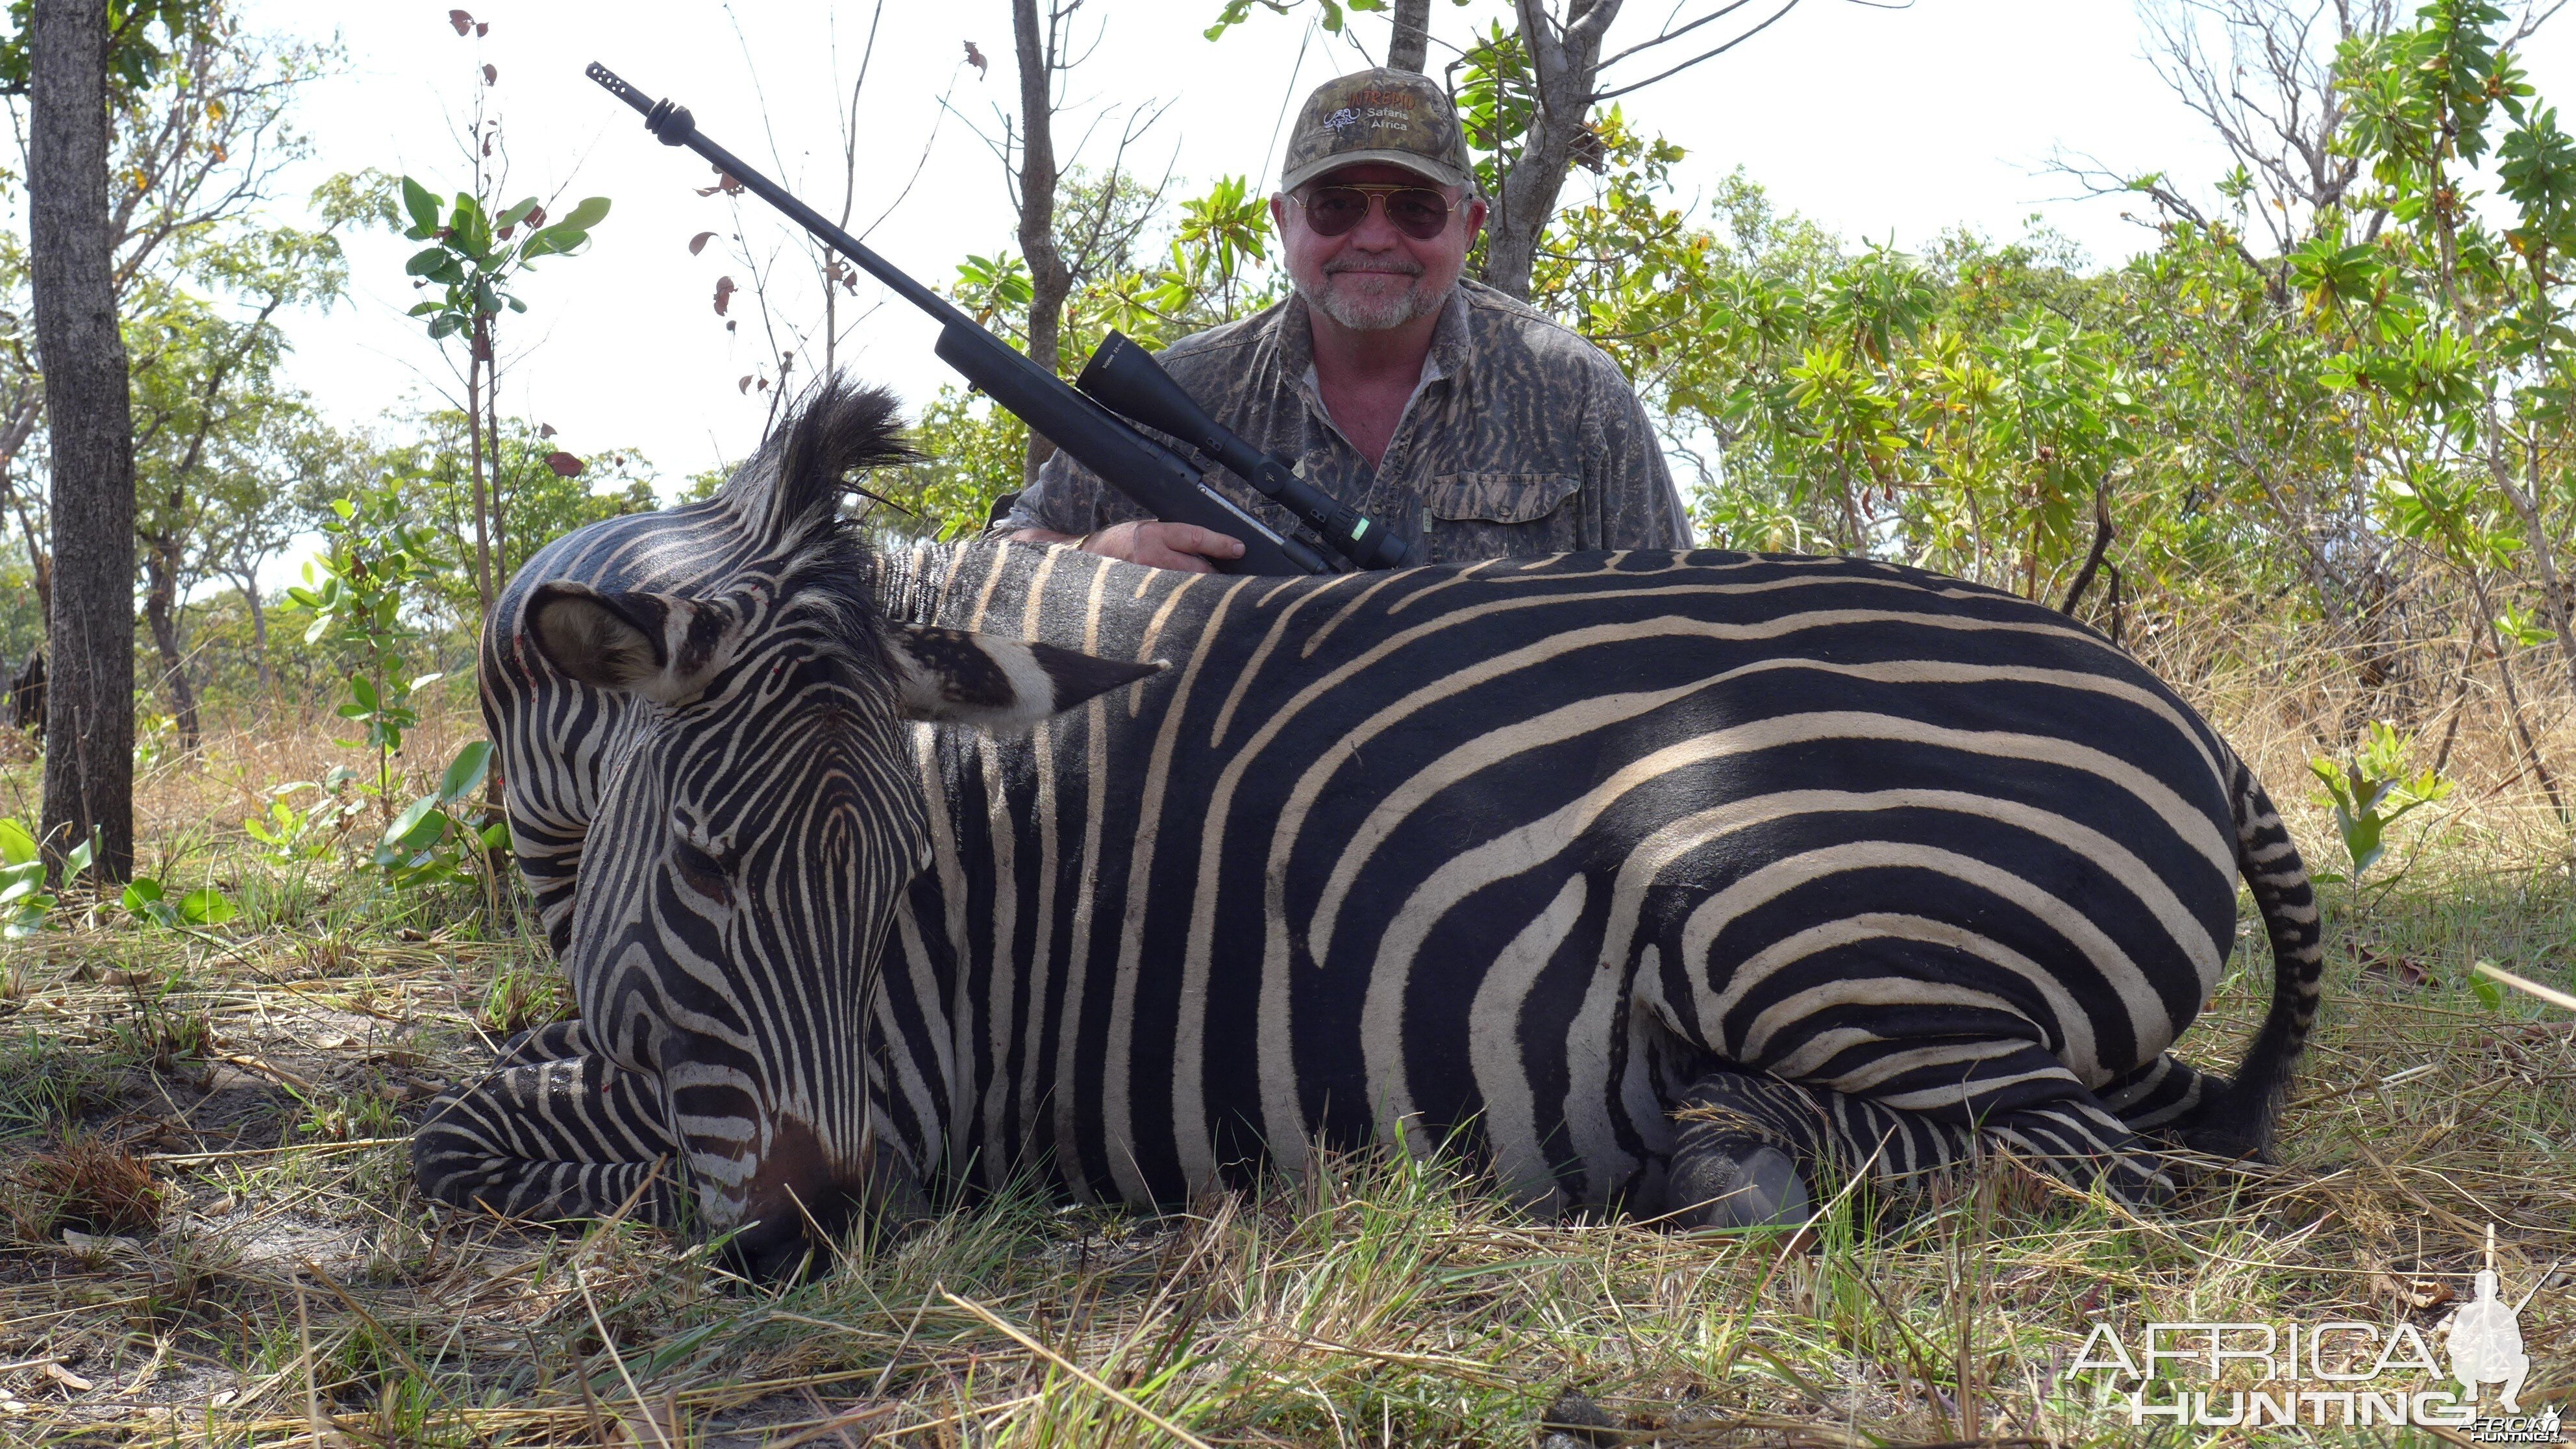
(296, 1291)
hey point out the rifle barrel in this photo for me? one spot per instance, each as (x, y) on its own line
(1160, 481)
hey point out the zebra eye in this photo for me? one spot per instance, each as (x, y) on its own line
(701, 872)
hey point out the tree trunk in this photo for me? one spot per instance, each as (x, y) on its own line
(492, 452)
(482, 348)
(1565, 63)
(41, 563)
(1411, 46)
(258, 632)
(160, 601)
(89, 713)
(1049, 279)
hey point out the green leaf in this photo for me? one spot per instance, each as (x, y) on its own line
(465, 773)
(428, 261)
(588, 213)
(411, 819)
(17, 847)
(205, 906)
(2490, 995)
(421, 203)
(496, 836)
(444, 325)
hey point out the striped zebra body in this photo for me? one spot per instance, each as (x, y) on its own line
(1865, 857)
(1825, 855)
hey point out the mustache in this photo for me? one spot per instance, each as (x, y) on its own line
(1392, 262)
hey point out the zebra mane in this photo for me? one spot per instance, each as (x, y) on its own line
(787, 499)
(794, 484)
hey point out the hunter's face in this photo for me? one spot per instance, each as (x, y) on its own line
(1375, 276)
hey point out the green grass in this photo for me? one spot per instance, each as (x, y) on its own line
(266, 1072)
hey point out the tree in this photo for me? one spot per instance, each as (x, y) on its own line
(1057, 258)
(204, 388)
(89, 712)
(477, 248)
(1528, 95)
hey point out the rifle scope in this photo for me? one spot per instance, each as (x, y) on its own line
(1124, 376)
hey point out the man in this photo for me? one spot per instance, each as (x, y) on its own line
(1430, 403)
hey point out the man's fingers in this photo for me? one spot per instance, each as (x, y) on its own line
(1207, 542)
(1183, 546)
(1164, 558)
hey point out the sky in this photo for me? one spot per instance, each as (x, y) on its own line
(1893, 124)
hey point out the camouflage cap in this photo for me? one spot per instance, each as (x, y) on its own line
(1398, 117)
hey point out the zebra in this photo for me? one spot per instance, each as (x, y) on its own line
(1660, 880)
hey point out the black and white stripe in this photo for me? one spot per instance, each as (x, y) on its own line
(1849, 858)
(1867, 859)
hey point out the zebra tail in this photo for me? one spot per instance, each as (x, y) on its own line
(2235, 1120)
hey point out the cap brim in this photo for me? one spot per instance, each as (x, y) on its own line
(1413, 161)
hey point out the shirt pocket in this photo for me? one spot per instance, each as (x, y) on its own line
(1501, 515)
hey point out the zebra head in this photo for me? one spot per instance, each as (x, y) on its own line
(759, 813)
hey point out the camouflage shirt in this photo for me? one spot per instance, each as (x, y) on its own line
(1521, 439)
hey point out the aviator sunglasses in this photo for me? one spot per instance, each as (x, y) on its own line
(1417, 211)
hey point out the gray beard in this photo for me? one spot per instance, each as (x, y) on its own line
(1362, 313)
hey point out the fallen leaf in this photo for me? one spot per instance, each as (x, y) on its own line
(975, 58)
(124, 978)
(68, 1379)
(462, 21)
(2405, 970)
(97, 1245)
(660, 1429)
(564, 464)
(699, 242)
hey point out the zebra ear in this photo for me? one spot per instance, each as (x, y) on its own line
(1000, 685)
(660, 646)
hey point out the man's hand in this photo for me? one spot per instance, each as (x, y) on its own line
(1153, 543)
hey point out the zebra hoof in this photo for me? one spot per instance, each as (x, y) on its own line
(1737, 1185)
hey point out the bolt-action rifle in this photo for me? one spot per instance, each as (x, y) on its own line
(1123, 382)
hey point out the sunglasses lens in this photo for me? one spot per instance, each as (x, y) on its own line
(1420, 215)
(1332, 210)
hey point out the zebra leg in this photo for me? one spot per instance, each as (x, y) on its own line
(551, 1132)
(2159, 1097)
(1725, 1173)
(2034, 1106)
(1736, 1132)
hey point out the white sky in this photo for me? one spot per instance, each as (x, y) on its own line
(1877, 122)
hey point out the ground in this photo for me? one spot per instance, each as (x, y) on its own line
(210, 1236)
